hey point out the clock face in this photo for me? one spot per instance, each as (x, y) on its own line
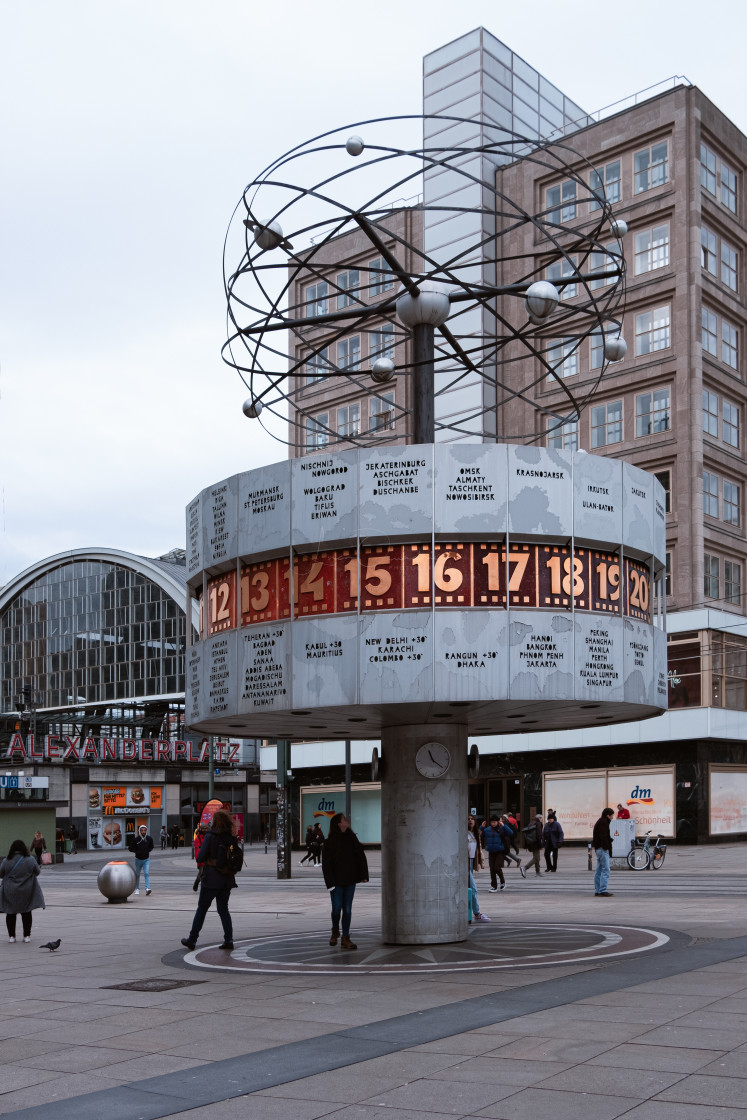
(433, 760)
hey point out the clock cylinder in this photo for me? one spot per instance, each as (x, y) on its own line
(424, 821)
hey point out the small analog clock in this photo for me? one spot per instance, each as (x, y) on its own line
(433, 760)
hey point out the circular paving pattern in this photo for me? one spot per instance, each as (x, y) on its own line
(509, 945)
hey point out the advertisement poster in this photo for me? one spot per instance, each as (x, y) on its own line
(578, 800)
(116, 811)
(648, 795)
(728, 801)
(320, 804)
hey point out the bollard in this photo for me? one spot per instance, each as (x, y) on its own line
(116, 880)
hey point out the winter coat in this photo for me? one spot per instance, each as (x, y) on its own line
(497, 839)
(19, 889)
(344, 861)
(212, 855)
(601, 837)
(552, 834)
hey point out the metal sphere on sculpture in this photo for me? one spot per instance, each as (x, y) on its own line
(354, 145)
(382, 371)
(430, 307)
(615, 349)
(252, 408)
(541, 300)
(332, 249)
(116, 881)
(619, 228)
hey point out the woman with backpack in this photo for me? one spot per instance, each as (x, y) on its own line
(20, 892)
(344, 865)
(534, 841)
(217, 882)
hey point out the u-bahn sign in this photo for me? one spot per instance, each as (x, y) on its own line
(345, 592)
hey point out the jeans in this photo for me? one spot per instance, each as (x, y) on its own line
(471, 883)
(204, 902)
(342, 901)
(144, 866)
(602, 873)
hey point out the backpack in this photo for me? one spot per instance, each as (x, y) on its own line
(234, 857)
(530, 837)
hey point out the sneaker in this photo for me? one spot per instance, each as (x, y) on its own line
(12, 940)
(137, 890)
(187, 943)
(26, 939)
(493, 890)
(605, 894)
(502, 885)
(148, 891)
(481, 918)
(523, 872)
(227, 945)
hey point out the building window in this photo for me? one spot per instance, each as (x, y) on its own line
(733, 583)
(316, 298)
(349, 420)
(381, 341)
(729, 266)
(710, 413)
(668, 574)
(707, 169)
(562, 270)
(317, 366)
(728, 187)
(651, 167)
(665, 478)
(652, 331)
(597, 349)
(381, 277)
(730, 423)
(317, 431)
(710, 576)
(605, 183)
(348, 291)
(652, 249)
(381, 413)
(709, 331)
(564, 193)
(606, 424)
(562, 355)
(652, 412)
(708, 251)
(729, 345)
(710, 494)
(349, 352)
(602, 262)
(564, 437)
(731, 503)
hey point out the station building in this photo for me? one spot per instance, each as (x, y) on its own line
(92, 729)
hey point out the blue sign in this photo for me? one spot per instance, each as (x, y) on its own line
(7, 782)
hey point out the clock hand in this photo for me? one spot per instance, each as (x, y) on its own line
(433, 760)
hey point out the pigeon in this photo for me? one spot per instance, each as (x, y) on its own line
(52, 945)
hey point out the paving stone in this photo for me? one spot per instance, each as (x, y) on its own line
(532, 1103)
(699, 1089)
(677, 1059)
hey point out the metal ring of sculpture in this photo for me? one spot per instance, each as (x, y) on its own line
(285, 229)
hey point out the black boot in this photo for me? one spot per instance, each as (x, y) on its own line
(334, 935)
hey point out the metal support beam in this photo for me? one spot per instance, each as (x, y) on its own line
(282, 826)
(423, 411)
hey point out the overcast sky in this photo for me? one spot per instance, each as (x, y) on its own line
(129, 130)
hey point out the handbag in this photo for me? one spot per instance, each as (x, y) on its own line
(46, 857)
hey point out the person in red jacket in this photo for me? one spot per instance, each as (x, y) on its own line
(622, 813)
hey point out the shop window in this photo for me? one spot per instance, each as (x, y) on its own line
(684, 670)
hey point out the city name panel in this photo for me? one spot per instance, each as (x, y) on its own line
(519, 584)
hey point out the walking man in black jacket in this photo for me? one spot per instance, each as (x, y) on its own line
(141, 847)
(601, 842)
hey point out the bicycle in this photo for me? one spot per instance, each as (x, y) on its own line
(644, 855)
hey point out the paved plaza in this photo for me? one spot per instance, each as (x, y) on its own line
(564, 1004)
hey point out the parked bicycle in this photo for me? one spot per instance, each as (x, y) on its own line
(645, 853)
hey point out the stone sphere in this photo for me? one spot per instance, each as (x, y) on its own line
(116, 881)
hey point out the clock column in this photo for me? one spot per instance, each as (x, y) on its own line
(423, 836)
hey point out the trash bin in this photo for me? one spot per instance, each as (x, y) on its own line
(68, 846)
